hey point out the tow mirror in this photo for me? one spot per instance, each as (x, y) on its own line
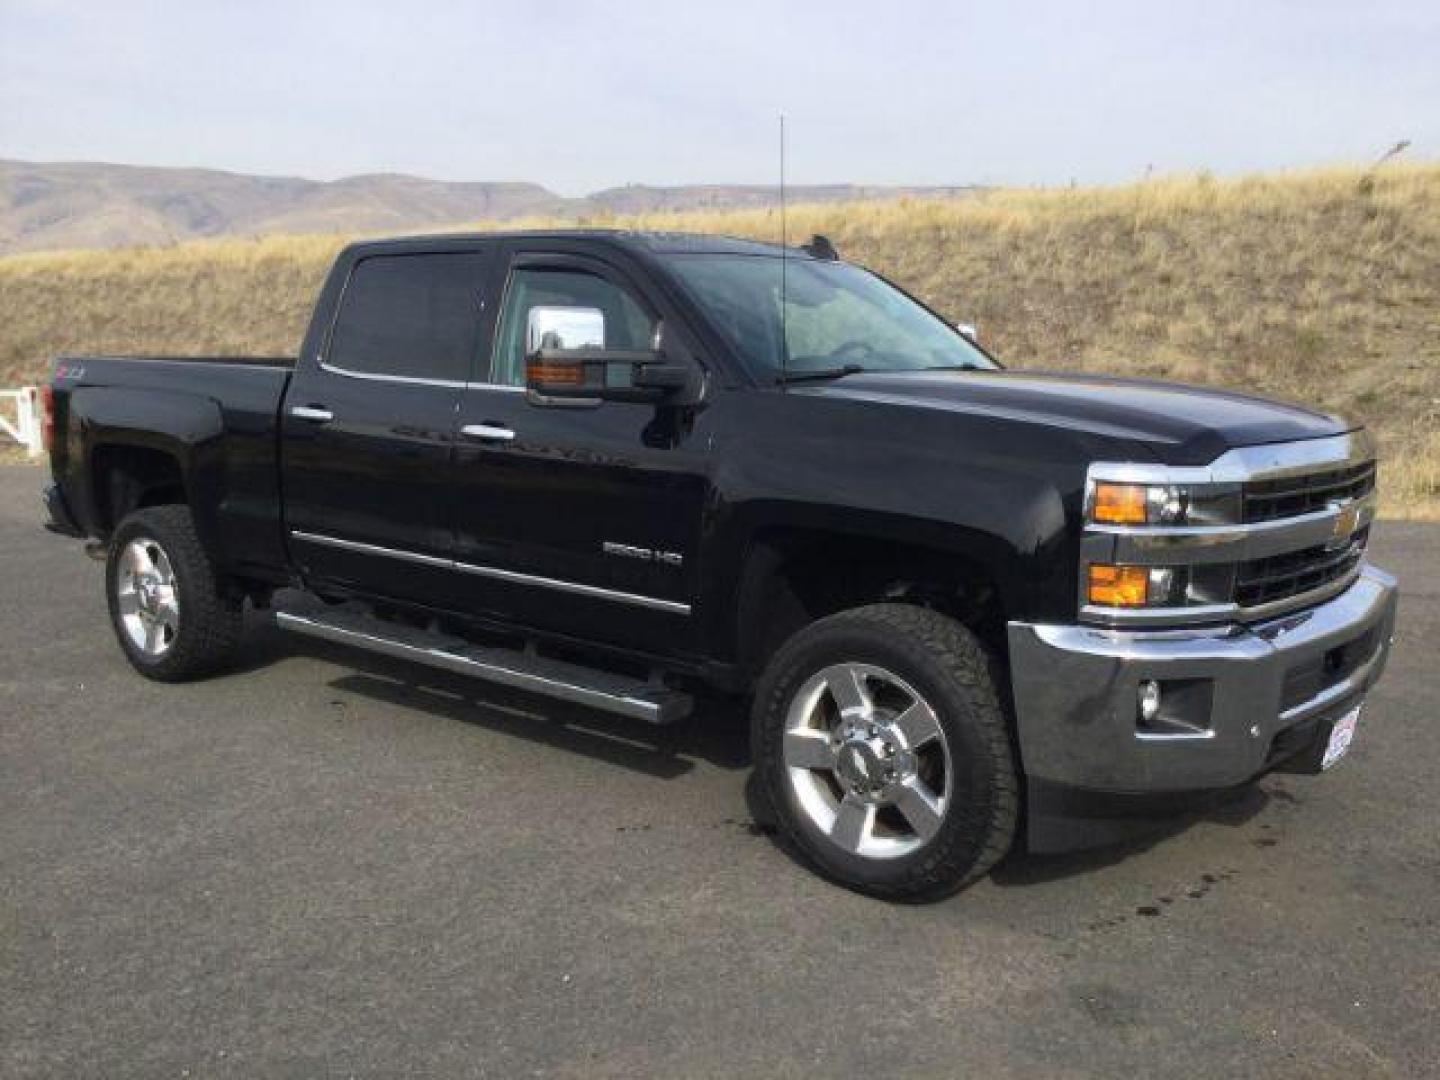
(567, 363)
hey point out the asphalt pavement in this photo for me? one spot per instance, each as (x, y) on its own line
(325, 865)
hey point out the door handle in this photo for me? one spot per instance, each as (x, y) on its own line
(487, 432)
(313, 413)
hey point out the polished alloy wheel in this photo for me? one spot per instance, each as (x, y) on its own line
(867, 760)
(149, 601)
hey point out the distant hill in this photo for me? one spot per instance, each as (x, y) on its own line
(92, 205)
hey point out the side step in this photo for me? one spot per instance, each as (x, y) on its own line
(597, 689)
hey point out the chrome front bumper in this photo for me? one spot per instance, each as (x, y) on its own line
(1075, 690)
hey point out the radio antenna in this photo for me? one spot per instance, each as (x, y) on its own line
(784, 258)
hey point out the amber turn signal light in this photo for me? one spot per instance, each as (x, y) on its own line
(1118, 586)
(1120, 504)
(555, 372)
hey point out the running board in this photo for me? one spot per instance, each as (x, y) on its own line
(597, 689)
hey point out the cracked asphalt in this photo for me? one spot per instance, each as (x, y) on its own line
(326, 865)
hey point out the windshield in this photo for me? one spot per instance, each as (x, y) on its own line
(836, 317)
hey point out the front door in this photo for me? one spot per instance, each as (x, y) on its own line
(578, 520)
(369, 427)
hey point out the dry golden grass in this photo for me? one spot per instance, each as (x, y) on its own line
(1321, 287)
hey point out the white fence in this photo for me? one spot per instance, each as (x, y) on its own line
(19, 418)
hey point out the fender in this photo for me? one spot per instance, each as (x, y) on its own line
(999, 508)
(185, 427)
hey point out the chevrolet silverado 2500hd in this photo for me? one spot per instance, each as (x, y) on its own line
(618, 468)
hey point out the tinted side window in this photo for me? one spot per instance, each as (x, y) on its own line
(627, 326)
(414, 316)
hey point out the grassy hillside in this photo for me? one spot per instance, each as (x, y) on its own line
(1321, 287)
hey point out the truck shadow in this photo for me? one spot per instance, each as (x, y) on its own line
(716, 733)
(1234, 808)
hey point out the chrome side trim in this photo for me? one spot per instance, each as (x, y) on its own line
(447, 384)
(655, 603)
(370, 549)
(638, 599)
(404, 380)
(492, 432)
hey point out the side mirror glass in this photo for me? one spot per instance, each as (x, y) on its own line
(555, 327)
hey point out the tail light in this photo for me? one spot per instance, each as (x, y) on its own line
(47, 417)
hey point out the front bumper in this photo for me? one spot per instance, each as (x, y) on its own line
(1089, 762)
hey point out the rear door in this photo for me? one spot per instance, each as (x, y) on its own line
(578, 520)
(369, 426)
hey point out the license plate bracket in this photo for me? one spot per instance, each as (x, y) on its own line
(1327, 743)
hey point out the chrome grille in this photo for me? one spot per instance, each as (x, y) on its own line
(1269, 529)
(1264, 581)
(1290, 496)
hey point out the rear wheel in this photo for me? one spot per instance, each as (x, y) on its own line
(882, 745)
(169, 613)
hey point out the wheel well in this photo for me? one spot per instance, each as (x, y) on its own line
(127, 478)
(793, 578)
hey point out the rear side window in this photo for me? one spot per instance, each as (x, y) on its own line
(410, 316)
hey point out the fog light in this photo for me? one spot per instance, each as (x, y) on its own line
(1149, 701)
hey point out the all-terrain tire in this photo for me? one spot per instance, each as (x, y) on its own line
(207, 622)
(949, 667)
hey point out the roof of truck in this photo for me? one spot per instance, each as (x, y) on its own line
(651, 241)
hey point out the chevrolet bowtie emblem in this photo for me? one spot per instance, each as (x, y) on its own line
(1346, 522)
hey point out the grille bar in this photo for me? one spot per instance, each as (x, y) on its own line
(1266, 580)
(1266, 500)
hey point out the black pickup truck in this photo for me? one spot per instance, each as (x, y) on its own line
(966, 603)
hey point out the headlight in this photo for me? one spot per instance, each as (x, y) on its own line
(1139, 504)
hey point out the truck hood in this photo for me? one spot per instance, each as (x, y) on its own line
(1183, 425)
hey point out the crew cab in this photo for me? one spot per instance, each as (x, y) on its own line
(965, 604)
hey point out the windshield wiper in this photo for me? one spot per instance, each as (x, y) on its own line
(787, 377)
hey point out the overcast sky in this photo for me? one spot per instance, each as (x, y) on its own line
(579, 95)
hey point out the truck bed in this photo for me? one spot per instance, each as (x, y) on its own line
(216, 416)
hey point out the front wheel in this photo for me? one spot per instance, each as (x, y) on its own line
(882, 745)
(166, 605)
